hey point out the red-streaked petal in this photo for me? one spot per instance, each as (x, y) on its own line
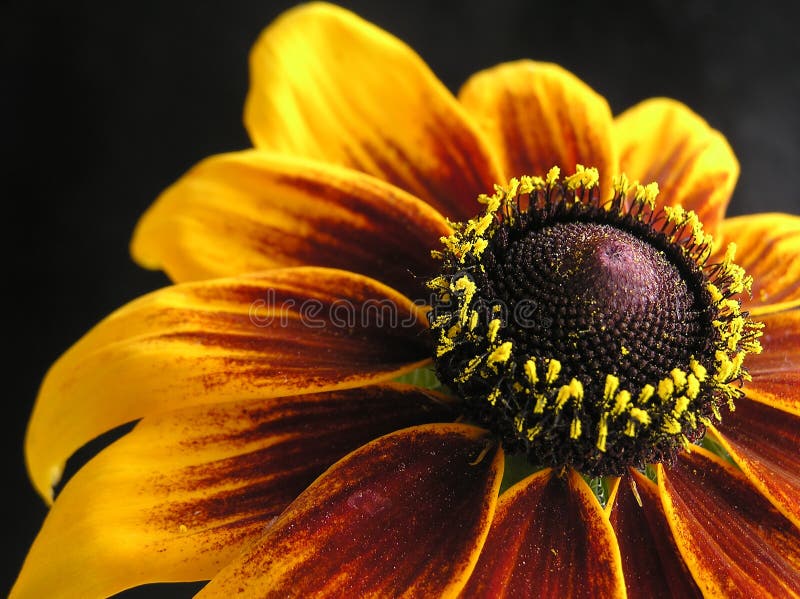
(768, 248)
(549, 538)
(651, 561)
(539, 115)
(765, 443)
(182, 493)
(776, 370)
(733, 540)
(662, 140)
(329, 86)
(405, 515)
(250, 211)
(287, 331)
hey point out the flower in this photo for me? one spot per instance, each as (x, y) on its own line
(276, 451)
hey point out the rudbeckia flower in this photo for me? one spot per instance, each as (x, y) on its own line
(397, 297)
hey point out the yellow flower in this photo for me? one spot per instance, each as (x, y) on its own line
(275, 451)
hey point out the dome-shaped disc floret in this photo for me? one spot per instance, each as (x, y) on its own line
(589, 333)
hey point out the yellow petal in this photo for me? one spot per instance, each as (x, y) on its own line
(287, 331)
(329, 86)
(181, 495)
(662, 140)
(250, 211)
(538, 115)
(768, 248)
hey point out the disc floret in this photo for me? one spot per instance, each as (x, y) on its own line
(587, 332)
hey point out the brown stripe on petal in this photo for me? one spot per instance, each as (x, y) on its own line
(678, 182)
(538, 115)
(286, 444)
(182, 493)
(549, 538)
(250, 211)
(459, 200)
(768, 247)
(287, 331)
(651, 562)
(765, 443)
(735, 543)
(399, 123)
(776, 370)
(405, 515)
(662, 140)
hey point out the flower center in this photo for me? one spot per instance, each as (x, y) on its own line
(586, 333)
(598, 299)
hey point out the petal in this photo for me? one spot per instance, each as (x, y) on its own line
(539, 115)
(764, 443)
(664, 141)
(251, 211)
(776, 370)
(329, 86)
(768, 248)
(184, 491)
(405, 515)
(549, 538)
(287, 331)
(732, 539)
(651, 561)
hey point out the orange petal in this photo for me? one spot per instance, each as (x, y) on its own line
(765, 442)
(184, 491)
(664, 141)
(329, 86)
(539, 115)
(732, 539)
(287, 331)
(651, 561)
(251, 211)
(549, 538)
(768, 248)
(405, 515)
(776, 370)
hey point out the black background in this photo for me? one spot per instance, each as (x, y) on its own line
(104, 104)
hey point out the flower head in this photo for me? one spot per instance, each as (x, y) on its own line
(599, 332)
(589, 333)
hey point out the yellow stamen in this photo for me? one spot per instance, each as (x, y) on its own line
(575, 428)
(530, 372)
(553, 175)
(583, 177)
(532, 432)
(541, 403)
(640, 416)
(553, 370)
(679, 378)
(612, 383)
(500, 355)
(666, 388)
(602, 434)
(645, 394)
(622, 401)
(494, 326)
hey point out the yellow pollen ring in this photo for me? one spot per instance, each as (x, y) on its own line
(533, 390)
